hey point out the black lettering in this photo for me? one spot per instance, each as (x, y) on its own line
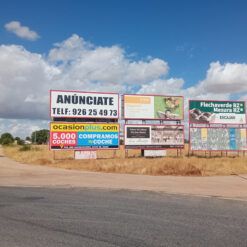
(105, 100)
(100, 101)
(67, 99)
(82, 100)
(75, 99)
(60, 99)
(89, 100)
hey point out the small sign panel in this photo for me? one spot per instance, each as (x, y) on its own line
(154, 136)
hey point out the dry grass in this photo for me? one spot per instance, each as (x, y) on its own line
(171, 165)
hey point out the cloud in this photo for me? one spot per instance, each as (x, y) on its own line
(25, 80)
(21, 31)
(172, 86)
(76, 64)
(87, 62)
(225, 78)
(26, 77)
(20, 127)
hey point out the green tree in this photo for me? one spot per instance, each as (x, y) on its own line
(40, 136)
(19, 141)
(6, 139)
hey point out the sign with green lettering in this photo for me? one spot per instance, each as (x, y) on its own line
(217, 112)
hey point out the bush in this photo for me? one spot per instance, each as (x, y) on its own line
(6, 139)
(40, 136)
(25, 148)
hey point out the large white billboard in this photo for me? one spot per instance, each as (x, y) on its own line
(153, 107)
(75, 104)
(153, 136)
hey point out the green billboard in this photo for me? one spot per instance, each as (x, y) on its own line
(217, 112)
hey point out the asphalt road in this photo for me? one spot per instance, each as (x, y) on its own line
(95, 217)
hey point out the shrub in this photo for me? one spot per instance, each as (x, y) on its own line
(6, 139)
(25, 148)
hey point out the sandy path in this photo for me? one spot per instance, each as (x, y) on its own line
(16, 174)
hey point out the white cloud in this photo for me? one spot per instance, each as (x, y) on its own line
(172, 86)
(21, 31)
(21, 127)
(226, 78)
(75, 64)
(84, 61)
(25, 79)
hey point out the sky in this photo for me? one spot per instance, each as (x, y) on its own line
(192, 48)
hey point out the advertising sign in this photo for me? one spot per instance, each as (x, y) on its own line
(222, 139)
(81, 155)
(73, 104)
(154, 153)
(217, 112)
(83, 136)
(154, 136)
(153, 107)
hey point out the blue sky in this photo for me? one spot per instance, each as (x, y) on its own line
(187, 34)
(192, 48)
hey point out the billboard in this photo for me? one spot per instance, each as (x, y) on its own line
(84, 155)
(74, 104)
(221, 139)
(83, 136)
(217, 112)
(153, 107)
(153, 136)
(154, 153)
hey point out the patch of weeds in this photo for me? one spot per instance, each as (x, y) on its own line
(25, 148)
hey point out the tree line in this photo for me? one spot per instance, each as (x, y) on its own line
(37, 137)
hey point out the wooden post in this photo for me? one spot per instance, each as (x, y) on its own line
(114, 154)
(126, 153)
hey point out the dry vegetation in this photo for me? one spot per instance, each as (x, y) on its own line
(171, 165)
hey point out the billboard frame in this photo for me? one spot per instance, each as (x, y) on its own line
(83, 117)
(214, 127)
(155, 119)
(82, 149)
(237, 101)
(154, 148)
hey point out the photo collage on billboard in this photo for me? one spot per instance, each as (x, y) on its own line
(223, 139)
(220, 119)
(154, 136)
(157, 108)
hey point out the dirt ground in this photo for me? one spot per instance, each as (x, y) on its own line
(13, 173)
(115, 162)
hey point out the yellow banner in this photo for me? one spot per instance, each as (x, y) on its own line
(243, 134)
(137, 99)
(81, 127)
(204, 134)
